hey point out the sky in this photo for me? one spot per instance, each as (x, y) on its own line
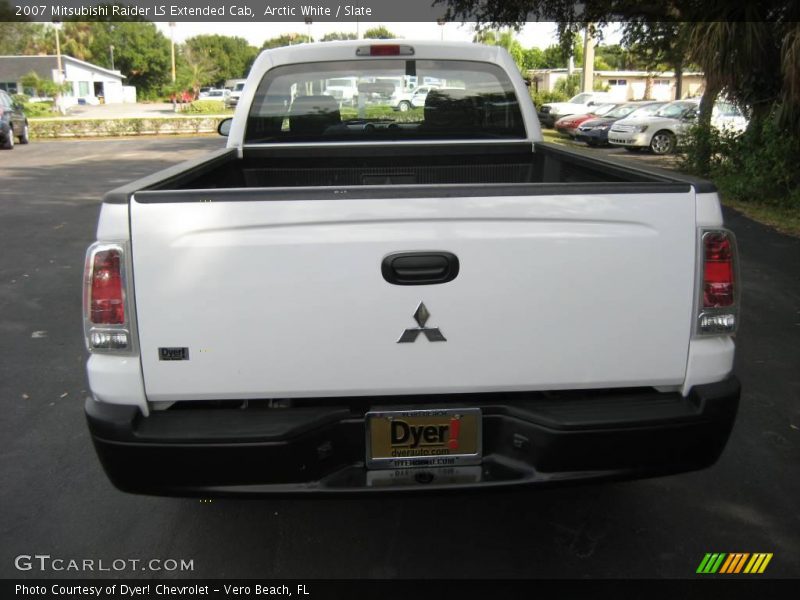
(540, 35)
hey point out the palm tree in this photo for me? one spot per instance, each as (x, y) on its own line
(198, 69)
(789, 113)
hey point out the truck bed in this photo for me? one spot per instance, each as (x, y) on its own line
(563, 262)
(471, 169)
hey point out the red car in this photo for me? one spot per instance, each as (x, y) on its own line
(183, 97)
(569, 125)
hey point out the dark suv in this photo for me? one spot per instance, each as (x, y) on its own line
(13, 122)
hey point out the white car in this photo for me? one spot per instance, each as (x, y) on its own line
(406, 100)
(214, 94)
(662, 130)
(344, 89)
(577, 105)
(232, 99)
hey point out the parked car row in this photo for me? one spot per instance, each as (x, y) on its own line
(636, 126)
(661, 131)
(229, 97)
(569, 125)
(595, 131)
(577, 105)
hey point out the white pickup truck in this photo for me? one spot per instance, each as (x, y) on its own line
(339, 301)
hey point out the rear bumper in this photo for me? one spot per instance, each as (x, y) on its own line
(527, 439)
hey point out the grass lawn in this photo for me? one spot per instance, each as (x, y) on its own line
(782, 218)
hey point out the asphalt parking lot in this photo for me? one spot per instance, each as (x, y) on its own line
(56, 500)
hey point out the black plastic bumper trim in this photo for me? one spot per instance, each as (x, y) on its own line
(528, 439)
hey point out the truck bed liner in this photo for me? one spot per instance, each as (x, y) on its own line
(549, 167)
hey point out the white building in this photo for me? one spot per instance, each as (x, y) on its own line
(627, 85)
(90, 84)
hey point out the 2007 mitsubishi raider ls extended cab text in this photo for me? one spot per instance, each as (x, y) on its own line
(348, 298)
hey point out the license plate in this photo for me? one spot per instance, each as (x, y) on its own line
(446, 437)
(436, 476)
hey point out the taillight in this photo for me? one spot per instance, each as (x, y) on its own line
(718, 280)
(105, 311)
(718, 303)
(107, 302)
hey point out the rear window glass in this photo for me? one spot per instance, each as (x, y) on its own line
(306, 102)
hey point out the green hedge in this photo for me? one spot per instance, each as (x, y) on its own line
(56, 128)
(758, 166)
(38, 109)
(381, 111)
(206, 107)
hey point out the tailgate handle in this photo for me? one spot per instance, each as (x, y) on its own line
(420, 268)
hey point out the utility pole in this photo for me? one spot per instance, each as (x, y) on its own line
(588, 58)
(57, 25)
(60, 81)
(172, 44)
(111, 46)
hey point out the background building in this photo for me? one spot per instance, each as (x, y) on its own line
(627, 85)
(89, 83)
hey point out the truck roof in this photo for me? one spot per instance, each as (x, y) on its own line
(346, 50)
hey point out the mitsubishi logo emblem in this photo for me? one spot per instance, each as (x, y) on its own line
(432, 333)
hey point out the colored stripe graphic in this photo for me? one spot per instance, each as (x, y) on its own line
(732, 558)
(711, 563)
(758, 563)
(741, 562)
(734, 563)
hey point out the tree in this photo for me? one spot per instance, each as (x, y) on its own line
(225, 56)
(43, 87)
(46, 88)
(569, 85)
(286, 39)
(338, 35)
(141, 53)
(379, 33)
(26, 38)
(78, 41)
(659, 46)
(195, 70)
(618, 58)
(749, 51)
(533, 58)
(504, 39)
(553, 57)
(742, 59)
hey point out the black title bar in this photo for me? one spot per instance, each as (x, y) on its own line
(730, 588)
(223, 10)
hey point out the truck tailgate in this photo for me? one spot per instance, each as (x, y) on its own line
(285, 298)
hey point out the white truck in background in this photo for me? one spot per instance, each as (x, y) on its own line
(335, 304)
(581, 104)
